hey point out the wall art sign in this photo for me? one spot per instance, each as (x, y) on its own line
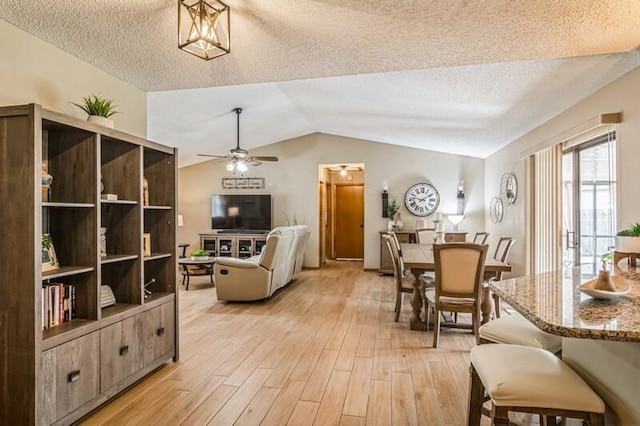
(243, 183)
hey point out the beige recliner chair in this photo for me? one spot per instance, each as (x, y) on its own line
(296, 254)
(256, 278)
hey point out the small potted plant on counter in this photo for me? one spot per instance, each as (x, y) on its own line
(99, 110)
(200, 255)
(628, 240)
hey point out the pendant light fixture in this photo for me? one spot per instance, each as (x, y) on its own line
(204, 28)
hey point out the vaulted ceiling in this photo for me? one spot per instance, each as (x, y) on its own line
(454, 76)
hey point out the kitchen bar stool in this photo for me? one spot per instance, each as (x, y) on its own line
(516, 329)
(528, 380)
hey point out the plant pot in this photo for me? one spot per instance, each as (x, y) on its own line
(199, 257)
(628, 244)
(101, 121)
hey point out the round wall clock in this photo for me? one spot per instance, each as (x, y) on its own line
(422, 199)
(496, 210)
(508, 188)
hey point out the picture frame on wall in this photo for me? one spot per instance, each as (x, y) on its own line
(49, 258)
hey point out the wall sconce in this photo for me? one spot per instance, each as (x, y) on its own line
(204, 28)
(460, 197)
(455, 219)
(385, 199)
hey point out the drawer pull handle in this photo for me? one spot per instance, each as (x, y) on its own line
(124, 350)
(74, 376)
(160, 331)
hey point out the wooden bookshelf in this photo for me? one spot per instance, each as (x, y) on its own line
(85, 161)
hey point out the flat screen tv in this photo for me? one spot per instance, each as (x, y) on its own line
(251, 212)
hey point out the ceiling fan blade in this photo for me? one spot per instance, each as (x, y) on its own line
(253, 162)
(215, 156)
(259, 158)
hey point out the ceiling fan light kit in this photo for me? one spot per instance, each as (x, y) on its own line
(204, 28)
(240, 158)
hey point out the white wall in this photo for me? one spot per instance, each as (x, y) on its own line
(34, 71)
(293, 182)
(621, 95)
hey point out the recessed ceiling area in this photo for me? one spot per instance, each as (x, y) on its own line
(459, 77)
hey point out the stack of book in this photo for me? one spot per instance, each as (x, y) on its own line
(58, 304)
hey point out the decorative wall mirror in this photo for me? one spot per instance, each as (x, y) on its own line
(508, 188)
(496, 210)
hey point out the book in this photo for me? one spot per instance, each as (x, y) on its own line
(73, 301)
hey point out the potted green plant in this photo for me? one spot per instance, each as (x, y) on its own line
(392, 209)
(628, 240)
(99, 109)
(200, 255)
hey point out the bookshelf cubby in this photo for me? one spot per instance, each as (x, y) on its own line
(67, 366)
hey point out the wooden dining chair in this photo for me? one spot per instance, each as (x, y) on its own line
(501, 255)
(425, 236)
(458, 285)
(403, 284)
(480, 238)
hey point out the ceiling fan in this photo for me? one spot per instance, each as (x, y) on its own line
(240, 157)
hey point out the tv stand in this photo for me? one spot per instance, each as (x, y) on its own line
(234, 243)
(242, 231)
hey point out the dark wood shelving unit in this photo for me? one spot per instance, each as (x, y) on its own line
(85, 161)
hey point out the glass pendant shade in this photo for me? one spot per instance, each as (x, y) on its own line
(204, 28)
(237, 165)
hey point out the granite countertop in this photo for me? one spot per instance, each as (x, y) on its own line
(553, 303)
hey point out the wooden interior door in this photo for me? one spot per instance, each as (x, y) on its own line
(323, 213)
(349, 221)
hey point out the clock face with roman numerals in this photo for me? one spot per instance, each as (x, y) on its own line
(422, 199)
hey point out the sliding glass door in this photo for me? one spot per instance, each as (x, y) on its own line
(588, 201)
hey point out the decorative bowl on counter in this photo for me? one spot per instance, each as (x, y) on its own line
(621, 284)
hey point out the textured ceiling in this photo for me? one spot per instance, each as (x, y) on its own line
(452, 75)
(471, 110)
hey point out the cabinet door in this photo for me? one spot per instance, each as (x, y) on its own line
(259, 245)
(159, 332)
(226, 247)
(404, 237)
(121, 350)
(209, 244)
(245, 247)
(70, 376)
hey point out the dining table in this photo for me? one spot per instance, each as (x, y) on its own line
(600, 337)
(419, 259)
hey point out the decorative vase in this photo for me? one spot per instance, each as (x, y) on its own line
(102, 121)
(399, 223)
(145, 192)
(391, 226)
(47, 180)
(103, 242)
(604, 282)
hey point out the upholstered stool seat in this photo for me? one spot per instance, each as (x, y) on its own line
(516, 329)
(532, 380)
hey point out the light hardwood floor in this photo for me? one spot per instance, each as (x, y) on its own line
(325, 351)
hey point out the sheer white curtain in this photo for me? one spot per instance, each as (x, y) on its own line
(545, 194)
